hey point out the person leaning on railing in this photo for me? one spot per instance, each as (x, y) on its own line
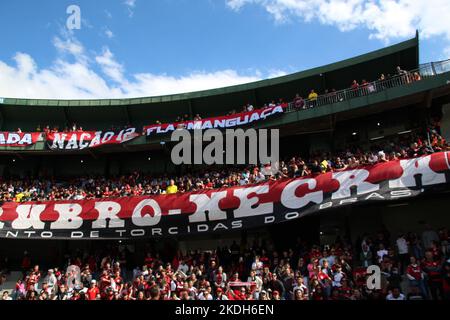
(354, 89)
(404, 75)
(299, 103)
(416, 76)
(172, 188)
(312, 97)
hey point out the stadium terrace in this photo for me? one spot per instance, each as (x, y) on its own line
(220, 123)
(363, 182)
(59, 219)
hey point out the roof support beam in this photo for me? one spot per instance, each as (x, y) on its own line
(67, 117)
(428, 99)
(324, 82)
(333, 121)
(1, 118)
(257, 102)
(191, 109)
(127, 114)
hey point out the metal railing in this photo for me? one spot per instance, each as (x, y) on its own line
(404, 78)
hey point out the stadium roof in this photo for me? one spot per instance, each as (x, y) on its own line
(410, 57)
(102, 114)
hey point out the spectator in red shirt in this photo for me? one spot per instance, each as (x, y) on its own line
(299, 103)
(276, 295)
(93, 292)
(33, 278)
(416, 276)
(107, 193)
(118, 281)
(325, 281)
(105, 281)
(364, 87)
(433, 270)
(355, 85)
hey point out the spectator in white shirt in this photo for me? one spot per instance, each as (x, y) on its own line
(206, 294)
(243, 181)
(403, 251)
(301, 286)
(338, 276)
(381, 253)
(257, 266)
(331, 259)
(373, 158)
(402, 245)
(6, 296)
(51, 281)
(183, 267)
(256, 279)
(78, 196)
(366, 255)
(395, 295)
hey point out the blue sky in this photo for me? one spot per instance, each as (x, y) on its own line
(129, 48)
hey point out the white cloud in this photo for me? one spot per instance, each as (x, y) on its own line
(69, 45)
(164, 84)
(63, 79)
(109, 33)
(446, 52)
(386, 19)
(73, 76)
(131, 5)
(276, 73)
(110, 66)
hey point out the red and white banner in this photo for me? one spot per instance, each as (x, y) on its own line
(13, 139)
(236, 208)
(223, 122)
(89, 139)
(241, 284)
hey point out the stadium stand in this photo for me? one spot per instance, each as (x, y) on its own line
(92, 208)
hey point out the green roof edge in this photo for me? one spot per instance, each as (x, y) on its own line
(411, 43)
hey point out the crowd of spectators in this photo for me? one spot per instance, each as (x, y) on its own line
(73, 128)
(356, 89)
(138, 184)
(179, 119)
(412, 267)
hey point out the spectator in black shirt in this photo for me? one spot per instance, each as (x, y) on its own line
(315, 167)
(276, 285)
